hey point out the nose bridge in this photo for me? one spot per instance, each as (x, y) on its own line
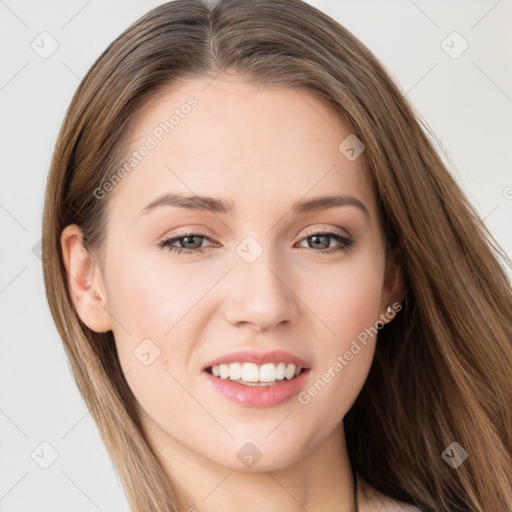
(261, 292)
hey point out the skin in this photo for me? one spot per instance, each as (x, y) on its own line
(263, 149)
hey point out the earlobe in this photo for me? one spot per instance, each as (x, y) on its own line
(393, 292)
(85, 281)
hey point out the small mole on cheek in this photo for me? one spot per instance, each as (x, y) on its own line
(165, 362)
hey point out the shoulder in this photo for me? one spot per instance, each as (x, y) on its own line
(371, 500)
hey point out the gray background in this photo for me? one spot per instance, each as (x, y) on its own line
(465, 98)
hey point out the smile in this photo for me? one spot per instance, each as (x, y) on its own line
(257, 386)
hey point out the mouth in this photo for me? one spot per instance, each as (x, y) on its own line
(258, 386)
(252, 378)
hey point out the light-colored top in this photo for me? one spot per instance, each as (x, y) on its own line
(371, 500)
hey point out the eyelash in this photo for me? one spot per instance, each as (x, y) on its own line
(346, 243)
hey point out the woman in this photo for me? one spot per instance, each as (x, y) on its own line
(271, 291)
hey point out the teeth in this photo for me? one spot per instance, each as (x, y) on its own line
(281, 371)
(252, 373)
(268, 373)
(224, 371)
(235, 371)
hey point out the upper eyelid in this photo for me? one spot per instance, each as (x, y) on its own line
(330, 231)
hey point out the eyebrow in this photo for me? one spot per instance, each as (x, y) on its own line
(213, 205)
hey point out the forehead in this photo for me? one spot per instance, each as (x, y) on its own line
(251, 144)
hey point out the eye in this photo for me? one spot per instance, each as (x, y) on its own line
(189, 243)
(322, 240)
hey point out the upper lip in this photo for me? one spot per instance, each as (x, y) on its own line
(253, 356)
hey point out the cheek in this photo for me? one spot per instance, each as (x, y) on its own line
(155, 307)
(154, 299)
(346, 297)
(347, 301)
(159, 309)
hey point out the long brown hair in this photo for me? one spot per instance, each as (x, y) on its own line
(442, 369)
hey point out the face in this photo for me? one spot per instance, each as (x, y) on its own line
(187, 284)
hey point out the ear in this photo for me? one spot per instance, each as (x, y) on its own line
(85, 281)
(393, 290)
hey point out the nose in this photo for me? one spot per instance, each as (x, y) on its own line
(261, 295)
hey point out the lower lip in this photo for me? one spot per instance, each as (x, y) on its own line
(258, 396)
